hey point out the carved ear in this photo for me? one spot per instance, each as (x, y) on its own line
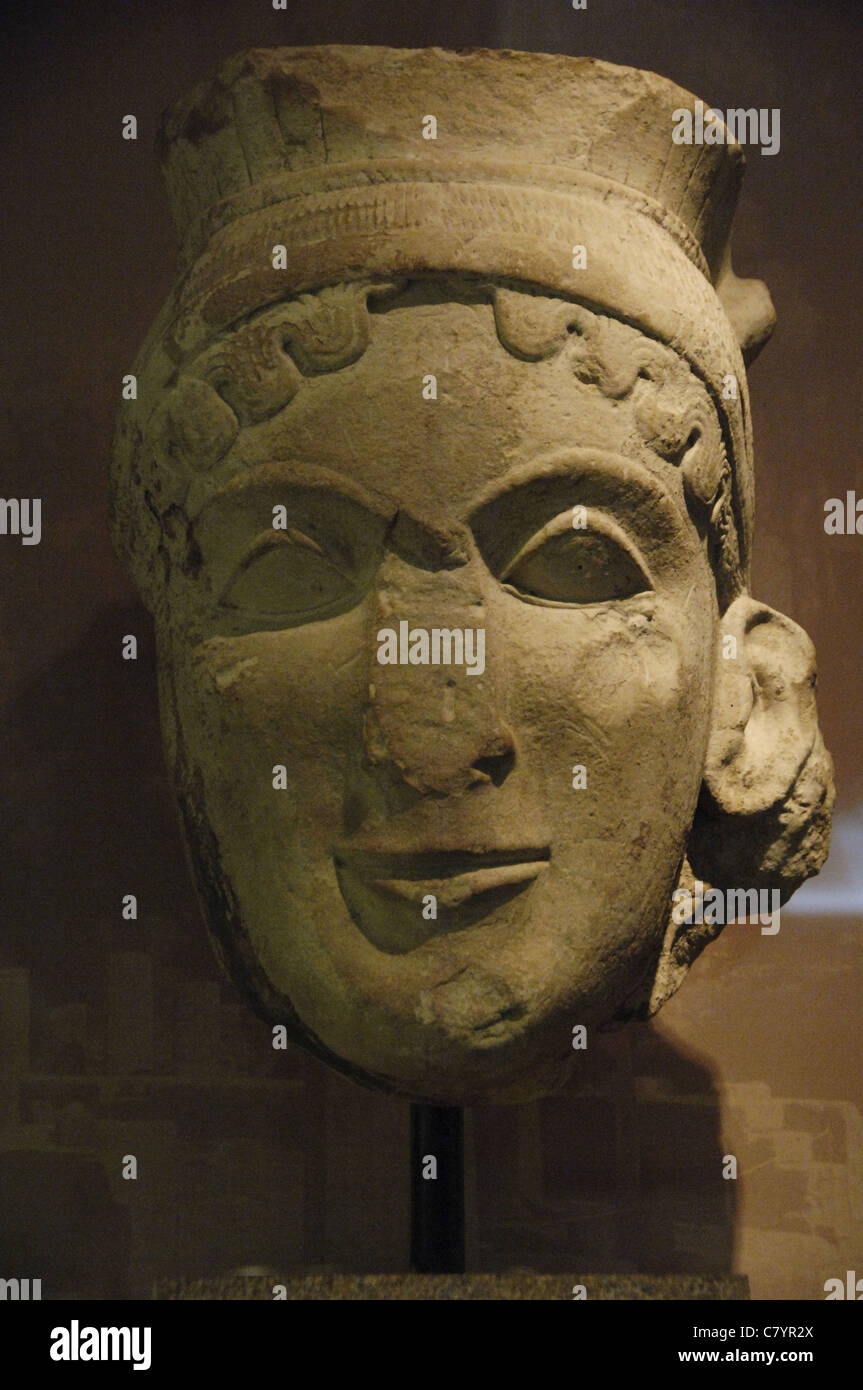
(764, 718)
(763, 819)
(763, 815)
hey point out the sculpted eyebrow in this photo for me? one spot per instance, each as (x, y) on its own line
(585, 469)
(533, 493)
(287, 478)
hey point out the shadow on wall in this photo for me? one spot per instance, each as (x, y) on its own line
(94, 819)
(619, 1173)
(59, 1223)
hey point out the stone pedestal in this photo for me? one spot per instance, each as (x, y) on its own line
(447, 1287)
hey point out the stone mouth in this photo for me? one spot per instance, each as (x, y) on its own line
(437, 862)
(390, 896)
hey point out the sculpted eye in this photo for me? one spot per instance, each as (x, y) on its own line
(592, 564)
(287, 574)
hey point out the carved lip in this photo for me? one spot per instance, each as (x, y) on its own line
(467, 885)
(456, 889)
(422, 865)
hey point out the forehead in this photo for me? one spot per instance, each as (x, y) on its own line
(436, 410)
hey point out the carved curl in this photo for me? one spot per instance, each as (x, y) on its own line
(672, 408)
(257, 369)
(260, 367)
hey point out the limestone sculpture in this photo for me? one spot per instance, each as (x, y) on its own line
(439, 488)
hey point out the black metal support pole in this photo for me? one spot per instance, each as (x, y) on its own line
(437, 1157)
(437, 1189)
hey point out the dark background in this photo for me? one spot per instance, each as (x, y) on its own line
(119, 1038)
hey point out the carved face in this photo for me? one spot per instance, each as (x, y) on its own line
(434, 870)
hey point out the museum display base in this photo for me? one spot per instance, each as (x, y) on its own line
(443, 1287)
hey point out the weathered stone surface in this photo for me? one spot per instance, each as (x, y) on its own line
(449, 1287)
(439, 485)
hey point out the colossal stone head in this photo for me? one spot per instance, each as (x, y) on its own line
(438, 485)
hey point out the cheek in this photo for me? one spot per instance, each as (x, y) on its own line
(623, 693)
(251, 704)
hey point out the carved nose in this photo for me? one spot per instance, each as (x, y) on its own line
(434, 714)
(436, 731)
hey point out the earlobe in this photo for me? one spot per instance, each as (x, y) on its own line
(764, 720)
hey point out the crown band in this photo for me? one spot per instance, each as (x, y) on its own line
(306, 185)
